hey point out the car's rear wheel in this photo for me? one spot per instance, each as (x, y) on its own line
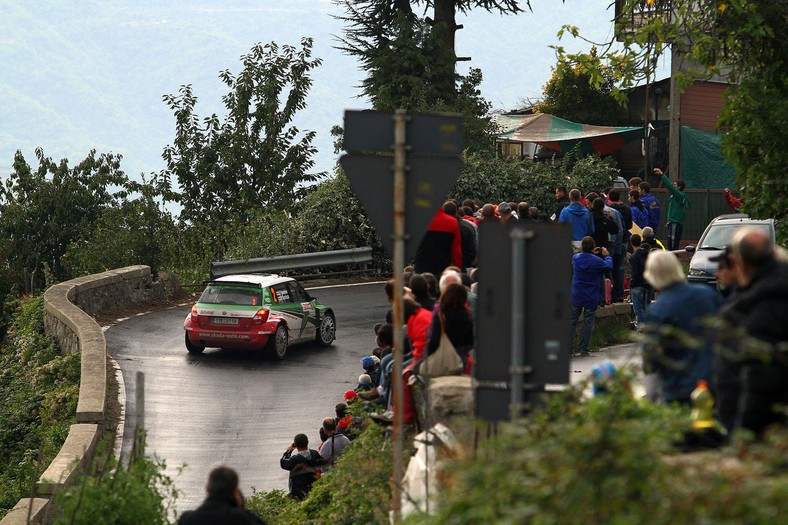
(277, 343)
(327, 330)
(193, 348)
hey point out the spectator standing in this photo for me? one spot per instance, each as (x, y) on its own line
(651, 239)
(639, 213)
(751, 374)
(678, 204)
(224, 503)
(588, 268)
(506, 213)
(618, 250)
(604, 224)
(302, 465)
(651, 204)
(579, 218)
(334, 445)
(639, 288)
(467, 234)
(735, 203)
(487, 215)
(677, 345)
(453, 317)
(441, 245)
(562, 201)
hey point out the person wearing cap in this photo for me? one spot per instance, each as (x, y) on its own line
(364, 384)
(371, 365)
(334, 445)
(726, 272)
(505, 213)
(676, 344)
(579, 218)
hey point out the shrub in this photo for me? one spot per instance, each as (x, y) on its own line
(38, 393)
(139, 493)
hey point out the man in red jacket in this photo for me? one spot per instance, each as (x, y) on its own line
(441, 245)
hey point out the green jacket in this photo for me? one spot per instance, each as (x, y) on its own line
(678, 202)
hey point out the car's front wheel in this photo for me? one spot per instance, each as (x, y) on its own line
(327, 330)
(191, 347)
(277, 343)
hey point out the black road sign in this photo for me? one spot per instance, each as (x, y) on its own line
(437, 134)
(429, 180)
(433, 164)
(548, 276)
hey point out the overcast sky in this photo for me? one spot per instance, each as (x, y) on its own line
(81, 75)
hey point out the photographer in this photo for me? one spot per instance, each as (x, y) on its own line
(302, 466)
(588, 267)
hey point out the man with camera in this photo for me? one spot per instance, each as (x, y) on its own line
(588, 268)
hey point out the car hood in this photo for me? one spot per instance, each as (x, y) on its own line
(700, 261)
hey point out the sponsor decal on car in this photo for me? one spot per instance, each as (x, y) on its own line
(222, 336)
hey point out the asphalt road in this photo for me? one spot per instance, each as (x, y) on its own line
(241, 409)
(238, 408)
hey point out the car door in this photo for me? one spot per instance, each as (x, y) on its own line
(288, 309)
(307, 308)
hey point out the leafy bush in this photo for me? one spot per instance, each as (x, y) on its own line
(356, 490)
(39, 391)
(607, 461)
(139, 493)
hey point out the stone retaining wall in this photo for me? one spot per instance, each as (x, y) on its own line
(67, 315)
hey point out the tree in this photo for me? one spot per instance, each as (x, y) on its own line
(745, 40)
(391, 41)
(572, 95)
(254, 158)
(43, 211)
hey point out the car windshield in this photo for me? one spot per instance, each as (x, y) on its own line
(719, 235)
(232, 295)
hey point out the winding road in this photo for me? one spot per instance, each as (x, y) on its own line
(232, 407)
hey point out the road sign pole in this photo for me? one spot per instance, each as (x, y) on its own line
(398, 239)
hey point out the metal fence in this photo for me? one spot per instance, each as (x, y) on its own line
(353, 257)
(706, 204)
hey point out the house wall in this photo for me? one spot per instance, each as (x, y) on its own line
(701, 105)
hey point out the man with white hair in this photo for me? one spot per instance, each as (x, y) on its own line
(751, 373)
(676, 345)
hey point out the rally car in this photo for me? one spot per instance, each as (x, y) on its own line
(253, 312)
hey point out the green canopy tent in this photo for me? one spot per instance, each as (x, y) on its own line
(562, 135)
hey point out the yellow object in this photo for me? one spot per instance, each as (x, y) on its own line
(702, 407)
(636, 229)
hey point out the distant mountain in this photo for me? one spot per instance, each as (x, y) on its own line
(82, 75)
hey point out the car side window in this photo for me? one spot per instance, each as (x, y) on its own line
(281, 294)
(299, 294)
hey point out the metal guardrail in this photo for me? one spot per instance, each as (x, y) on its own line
(354, 256)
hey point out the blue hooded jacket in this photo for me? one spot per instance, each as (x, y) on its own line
(587, 270)
(579, 218)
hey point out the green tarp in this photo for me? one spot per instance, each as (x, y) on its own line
(703, 166)
(562, 135)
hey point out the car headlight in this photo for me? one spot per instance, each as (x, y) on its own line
(697, 272)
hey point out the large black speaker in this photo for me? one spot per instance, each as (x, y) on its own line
(543, 256)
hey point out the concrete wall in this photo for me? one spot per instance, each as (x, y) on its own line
(67, 315)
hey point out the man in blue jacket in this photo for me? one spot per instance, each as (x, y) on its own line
(651, 204)
(588, 267)
(579, 218)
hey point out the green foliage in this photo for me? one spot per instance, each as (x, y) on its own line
(497, 179)
(133, 232)
(43, 211)
(753, 111)
(606, 460)
(39, 390)
(254, 158)
(356, 490)
(571, 94)
(139, 493)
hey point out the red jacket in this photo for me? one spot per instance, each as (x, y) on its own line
(441, 245)
(418, 324)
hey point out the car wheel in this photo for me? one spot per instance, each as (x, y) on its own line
(327, 330)
(191, 347)
(277, 344)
